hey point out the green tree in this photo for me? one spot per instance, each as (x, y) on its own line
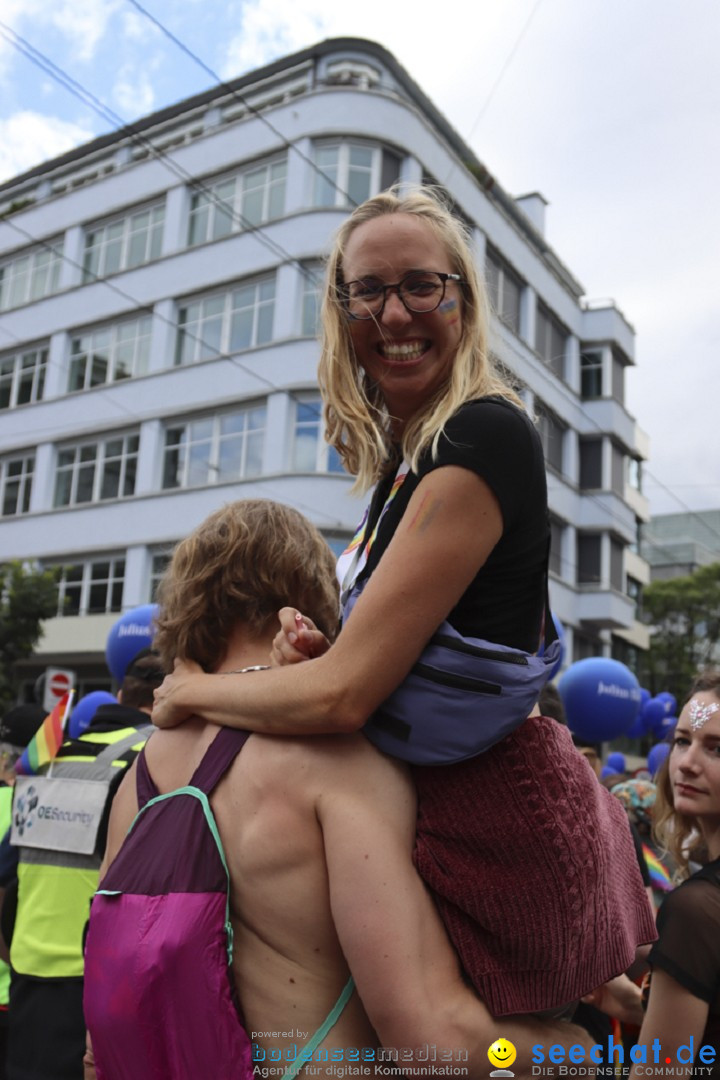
(27, 597)
(685, 616)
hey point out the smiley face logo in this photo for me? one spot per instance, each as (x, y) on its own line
(502, 1053)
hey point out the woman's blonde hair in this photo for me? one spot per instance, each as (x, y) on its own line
(356, 419)
(242, 565)
(680, 834)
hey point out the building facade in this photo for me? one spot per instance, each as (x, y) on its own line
(158, 352)
(675, 545)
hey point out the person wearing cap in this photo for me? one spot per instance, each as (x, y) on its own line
(46, 1024)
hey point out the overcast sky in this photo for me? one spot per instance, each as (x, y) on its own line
(610, 108)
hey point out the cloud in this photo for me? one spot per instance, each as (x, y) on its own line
(28, 138)
(270, 29)
(133, 92)
(84, 23)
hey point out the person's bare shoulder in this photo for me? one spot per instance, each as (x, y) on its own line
(318, 767)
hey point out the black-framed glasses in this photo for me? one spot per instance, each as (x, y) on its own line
(420, 292)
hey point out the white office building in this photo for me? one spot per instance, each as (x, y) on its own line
(158, 304)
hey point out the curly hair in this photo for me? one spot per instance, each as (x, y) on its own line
(680, 834)
(242, 565)
(356, 419)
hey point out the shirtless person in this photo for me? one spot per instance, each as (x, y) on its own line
(318, 834)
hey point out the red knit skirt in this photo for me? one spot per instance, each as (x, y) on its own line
(533, 869)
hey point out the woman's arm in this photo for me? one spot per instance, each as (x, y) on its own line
(674, 1017)
(452, 523)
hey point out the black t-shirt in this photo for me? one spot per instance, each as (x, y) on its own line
(688, 946)
(496, 440)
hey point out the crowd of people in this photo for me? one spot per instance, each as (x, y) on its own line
(336, 842)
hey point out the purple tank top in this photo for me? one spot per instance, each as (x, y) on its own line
(159, 995)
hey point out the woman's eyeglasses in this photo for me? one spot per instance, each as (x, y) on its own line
(420, 292)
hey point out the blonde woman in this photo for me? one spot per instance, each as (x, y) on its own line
(530, 861)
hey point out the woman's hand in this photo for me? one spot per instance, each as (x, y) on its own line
(171, 697)
(621, 998)
(297, 639)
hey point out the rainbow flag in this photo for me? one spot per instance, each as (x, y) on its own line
(659, 877)
(47, 740)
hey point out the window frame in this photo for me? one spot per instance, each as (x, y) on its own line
(326, 458)
(142, 343)
(552, 432)
(40, 355)
(84, 584)
(212, 208)
(101, 463)
(41, 260)
(544, 348)
(498, 271)
(23, 481)
(339, 186)
(183, 447)
(155, 233)
(222, 301)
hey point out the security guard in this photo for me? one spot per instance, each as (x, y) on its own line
(60, 827)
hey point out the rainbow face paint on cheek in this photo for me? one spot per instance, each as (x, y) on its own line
(449, 309)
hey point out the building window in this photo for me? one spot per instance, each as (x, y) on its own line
(30, 277)
(312, 277)
(94, 587)
(585, 647)
(591, 373)
(16, 477)
(504, 288)
(214, 449)
(22, 378)
(95, 472)
(550, 340)
(589, 558)
(552, 433)
(310, 452)
(634, 589)
(617, 470)
(557, 529)
(635, 473)
(226, 322)
(637, 544)
(352, 172)
(234, 203)
(618, 378)
(158, 566)
(110, 354)
(124, 243)
(591, 462)
(617, 565)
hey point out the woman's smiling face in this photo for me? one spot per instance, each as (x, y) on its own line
(408, 354)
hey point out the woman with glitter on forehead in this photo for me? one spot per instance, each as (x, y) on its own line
(684, 1002)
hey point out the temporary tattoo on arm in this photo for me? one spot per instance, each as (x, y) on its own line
(424, 514)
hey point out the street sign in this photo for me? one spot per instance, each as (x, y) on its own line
(57, 682)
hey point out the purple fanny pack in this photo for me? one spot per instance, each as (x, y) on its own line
(461, 697)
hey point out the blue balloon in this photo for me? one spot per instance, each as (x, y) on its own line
(616, 762)
(607, 771)
(668, 700)
(637, 729)
(653, 714)
(601, 698)
(645, 696)
(657, 755)
(85, 709)
(133, 632)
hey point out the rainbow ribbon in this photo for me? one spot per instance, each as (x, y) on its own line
(47, 740)
(659, 877)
